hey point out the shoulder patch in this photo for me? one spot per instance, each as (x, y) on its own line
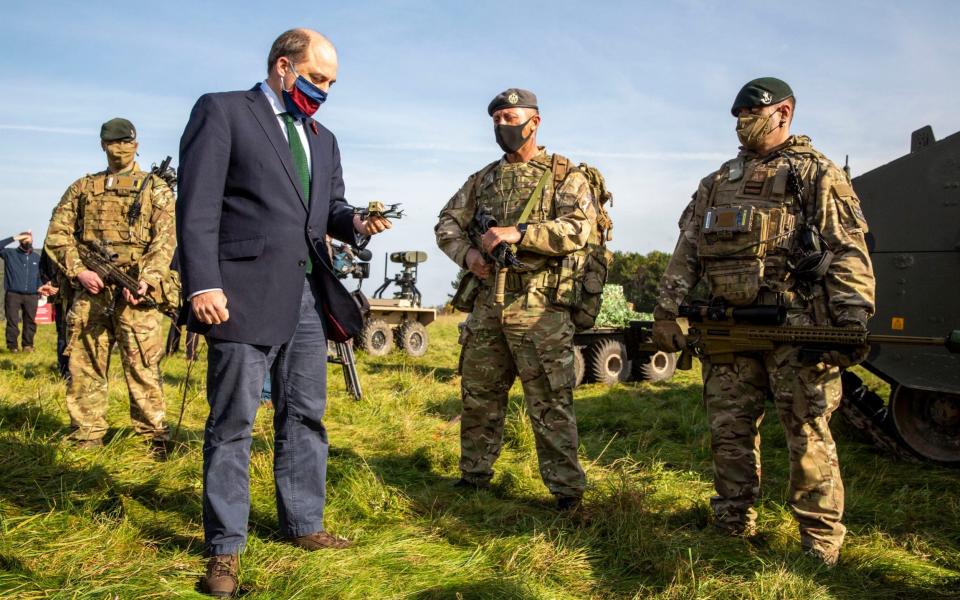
(843, 189)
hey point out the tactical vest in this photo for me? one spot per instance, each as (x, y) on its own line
(748, 227)
(504, 190)
(115, 208)
(575, 280)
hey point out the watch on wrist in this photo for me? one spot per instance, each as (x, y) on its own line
(522, 228)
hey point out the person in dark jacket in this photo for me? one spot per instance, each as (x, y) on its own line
(260, 186)
(57, 290)
(21, 280)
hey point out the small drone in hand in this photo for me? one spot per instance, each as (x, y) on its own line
(377, 208)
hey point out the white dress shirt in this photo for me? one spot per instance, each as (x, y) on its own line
(278, 108)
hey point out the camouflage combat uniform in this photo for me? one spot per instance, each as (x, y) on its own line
(744, 272)
(531, 337)
(95, 209)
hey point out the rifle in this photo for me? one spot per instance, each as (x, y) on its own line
(349, 260)
(164, 172)
(98, 259)
(502, 256)
(344, 357)
(167, 173)
(718, 332)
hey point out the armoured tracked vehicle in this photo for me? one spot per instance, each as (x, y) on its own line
(913, 207)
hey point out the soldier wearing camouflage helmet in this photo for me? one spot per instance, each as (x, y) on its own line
(546, 211)
(779, 224)
(131, 213)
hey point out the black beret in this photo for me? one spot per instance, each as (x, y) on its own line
(761, 92)
(117, 129)
(513, 98)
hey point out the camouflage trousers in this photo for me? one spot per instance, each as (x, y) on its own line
(92, 332)
(805, 396)
(534, 341)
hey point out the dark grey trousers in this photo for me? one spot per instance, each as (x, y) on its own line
(14, 306)
(235, 374)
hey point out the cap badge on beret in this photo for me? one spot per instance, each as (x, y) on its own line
(766, 97)
(513, 98)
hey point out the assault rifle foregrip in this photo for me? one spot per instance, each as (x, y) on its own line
(100, 262)
(502, 256)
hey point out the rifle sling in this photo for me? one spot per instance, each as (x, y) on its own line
(535, 196)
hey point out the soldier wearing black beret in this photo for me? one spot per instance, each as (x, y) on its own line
(518, 325)
(513, 98)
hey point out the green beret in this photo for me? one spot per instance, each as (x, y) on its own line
(761, 92)
(513, 98)
(117, 129)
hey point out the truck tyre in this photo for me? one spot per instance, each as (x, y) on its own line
(579, 366)
(660, 367)
(375, 337)
(608, 362)
(412, 338)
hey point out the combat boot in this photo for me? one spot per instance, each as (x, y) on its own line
(220, 580)
(468, 484)
(320, 540)
(160, 448)
(88, 444)
(569, 504)
(829, 557)
(736, 529)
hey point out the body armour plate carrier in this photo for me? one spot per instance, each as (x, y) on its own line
(114, 209)
(748, 229)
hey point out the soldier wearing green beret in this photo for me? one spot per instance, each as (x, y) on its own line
(130, 212)
(546, 211)
(779, 224)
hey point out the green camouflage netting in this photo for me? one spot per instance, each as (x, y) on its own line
(616, 311)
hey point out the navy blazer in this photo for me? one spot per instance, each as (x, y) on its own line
(243, 222)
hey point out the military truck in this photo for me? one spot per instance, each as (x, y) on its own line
(600, 353)
(912, 205)
(600, 356)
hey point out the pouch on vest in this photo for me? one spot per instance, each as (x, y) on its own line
(168, 297)
(734, 231)
(582, 274)
(736, 281)
(466, 293)
(596, 269)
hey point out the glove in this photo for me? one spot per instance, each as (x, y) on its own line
(856, 318)
(668, 337)
(846, 358)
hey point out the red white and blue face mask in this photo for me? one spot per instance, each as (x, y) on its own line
(304, 98)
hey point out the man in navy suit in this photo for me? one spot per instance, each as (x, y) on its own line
(260, 187)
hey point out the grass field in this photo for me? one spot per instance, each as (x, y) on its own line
(113, 523)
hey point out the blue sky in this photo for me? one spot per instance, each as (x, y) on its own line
(640, 89)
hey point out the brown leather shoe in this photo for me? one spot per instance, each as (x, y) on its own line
(320, 540)
(220, 580)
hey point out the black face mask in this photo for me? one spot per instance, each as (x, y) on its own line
(510, 137)
(27, 246)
